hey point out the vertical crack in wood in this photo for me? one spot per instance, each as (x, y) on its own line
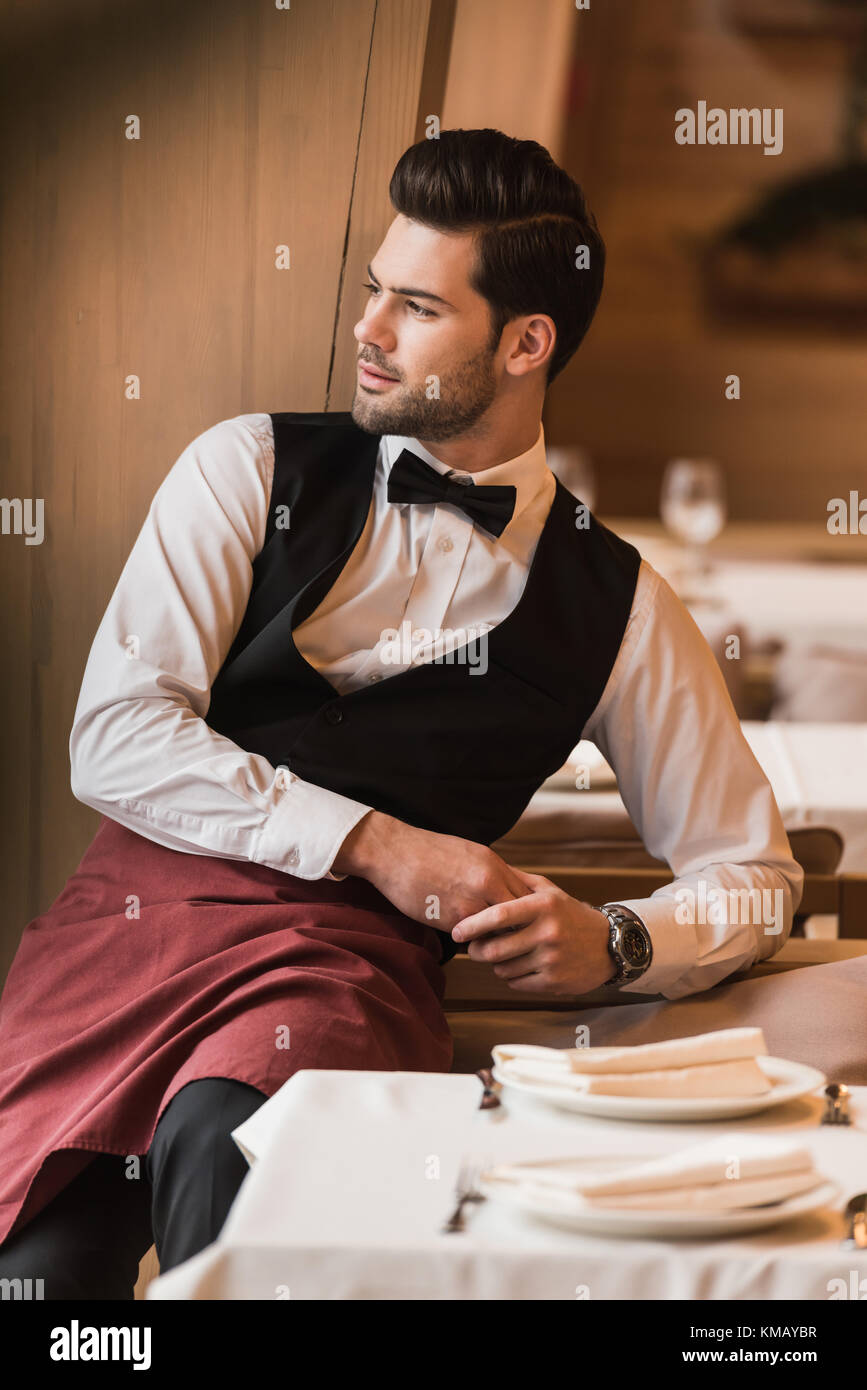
(345, 253)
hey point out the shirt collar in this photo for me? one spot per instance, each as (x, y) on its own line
(528, 473)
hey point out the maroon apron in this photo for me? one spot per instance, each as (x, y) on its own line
(154, 968)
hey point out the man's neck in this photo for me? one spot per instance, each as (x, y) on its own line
(484, 448)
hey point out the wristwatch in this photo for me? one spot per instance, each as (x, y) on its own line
(629, 943)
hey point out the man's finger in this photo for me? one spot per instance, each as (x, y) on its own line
(498, 917)
(522, 965)
(533, 881)
(520, 881)
(505, 945)
(513, 887)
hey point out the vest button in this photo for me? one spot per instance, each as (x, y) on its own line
(334, 715)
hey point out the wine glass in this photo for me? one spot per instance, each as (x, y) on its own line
(693, 507)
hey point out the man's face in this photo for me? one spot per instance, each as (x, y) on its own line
(426, 368)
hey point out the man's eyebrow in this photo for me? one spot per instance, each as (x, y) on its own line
(413, 294)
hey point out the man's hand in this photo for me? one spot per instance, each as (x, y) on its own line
(545, 942)
(439, 879)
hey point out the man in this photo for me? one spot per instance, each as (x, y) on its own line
(297, 808)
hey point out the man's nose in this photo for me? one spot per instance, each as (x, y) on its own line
(374, 328)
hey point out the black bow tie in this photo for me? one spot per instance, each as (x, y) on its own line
(413, 480)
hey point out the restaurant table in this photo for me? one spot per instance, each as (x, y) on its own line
(353, 1174)
(795, 584)
(818, 773)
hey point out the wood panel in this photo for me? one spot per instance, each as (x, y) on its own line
(156, 257)
(509, 67)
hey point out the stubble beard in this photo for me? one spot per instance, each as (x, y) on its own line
(464, 396)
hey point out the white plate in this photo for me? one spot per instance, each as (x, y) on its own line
(791, 1080)
(567, 1211)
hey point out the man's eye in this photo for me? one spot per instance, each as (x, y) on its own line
(418, 310)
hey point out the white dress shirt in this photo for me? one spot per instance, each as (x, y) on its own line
(142, 754)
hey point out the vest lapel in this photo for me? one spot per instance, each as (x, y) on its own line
(323, 485)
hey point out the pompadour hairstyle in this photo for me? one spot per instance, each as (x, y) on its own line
(529, 218)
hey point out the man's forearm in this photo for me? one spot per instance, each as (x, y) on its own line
(433, 878)
(366, 844)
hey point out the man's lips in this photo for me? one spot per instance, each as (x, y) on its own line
(374, 372)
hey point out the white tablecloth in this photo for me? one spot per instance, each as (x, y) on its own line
(354, 1172)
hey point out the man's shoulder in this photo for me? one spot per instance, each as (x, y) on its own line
(262, 434)
(220, 443)
(603, 557)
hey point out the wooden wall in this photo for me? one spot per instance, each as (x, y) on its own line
(648, 383)
(509, 68)
(156, 257)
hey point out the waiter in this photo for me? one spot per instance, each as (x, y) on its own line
(296, 809)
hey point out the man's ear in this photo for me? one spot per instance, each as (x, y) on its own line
(534, 339)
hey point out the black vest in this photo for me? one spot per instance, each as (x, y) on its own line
(436, 745)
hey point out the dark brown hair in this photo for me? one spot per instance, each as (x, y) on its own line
(529, 218)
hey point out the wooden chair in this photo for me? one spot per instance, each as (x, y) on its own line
(624, 868)
(471, 985)
(630, 872)
(844, 895)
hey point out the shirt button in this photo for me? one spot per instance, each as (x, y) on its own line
(446, 544)
(292, 855)
(377, 676)
(334, 715)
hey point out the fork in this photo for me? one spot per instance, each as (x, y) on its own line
(466, 1190)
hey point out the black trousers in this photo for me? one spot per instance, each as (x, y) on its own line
(88, 1241)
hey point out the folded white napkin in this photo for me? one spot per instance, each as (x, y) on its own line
(721, 1174)
(720, 1063)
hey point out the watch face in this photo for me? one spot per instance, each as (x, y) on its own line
(633, 945)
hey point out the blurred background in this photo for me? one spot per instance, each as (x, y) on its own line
(156, 157)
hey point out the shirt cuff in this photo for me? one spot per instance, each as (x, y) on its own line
(673, 942)
(306, 829)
